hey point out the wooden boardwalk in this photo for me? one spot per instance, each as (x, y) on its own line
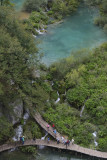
(71, 147)
(74, 147)
(44, 124)
(54, 144)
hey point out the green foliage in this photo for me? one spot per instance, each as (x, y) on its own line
(50, 12)
(17, 54)
(5, 2)
(58, 70)
(47, 12)
(78, 95)
(66, 120)
(81, 82)
(102, 19)
(54, 95)
(32, 129)
(105, 28)
(47, 87)
(62, 8)
(29, 149)
(39, 18)
(6, 130)
(18, 62)
(72, 78)
(102, 144)
(34, 5)
(92, 2)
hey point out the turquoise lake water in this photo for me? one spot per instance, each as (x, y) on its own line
(77, 32)
(43, 154)
(18, 4)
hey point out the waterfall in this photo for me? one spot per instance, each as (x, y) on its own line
(19, 129)
(95, 136)
(12, 150)
(18, 133)
(52, 83)
(39, 32)
(34, 36)
(57, 99)
(43, 138)
(82, 110)
(25, 117)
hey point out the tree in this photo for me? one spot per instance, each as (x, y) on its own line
(17, 51)
(5, 2)
(34, 5)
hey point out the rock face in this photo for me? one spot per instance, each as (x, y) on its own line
(17, 111)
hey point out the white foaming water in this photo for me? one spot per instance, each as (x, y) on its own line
(12, 150)
(96, 143)
(19, 129)
(57, 99)
(34, 36)
(52, 83)
(82, 110)
(39, 32)
(43, 138)
(25, 117)
(95, 136)
(18, 133)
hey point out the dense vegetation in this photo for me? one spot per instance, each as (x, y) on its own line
(35, 5)
(102, 19)
(46, 12)
(18, 62)
(5, 2)
(81, 82)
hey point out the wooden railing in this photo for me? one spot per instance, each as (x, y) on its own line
(72, 147)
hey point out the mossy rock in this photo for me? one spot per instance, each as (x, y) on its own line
(52, 22)
(45, 27)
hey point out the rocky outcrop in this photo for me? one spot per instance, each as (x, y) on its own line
(17, 111)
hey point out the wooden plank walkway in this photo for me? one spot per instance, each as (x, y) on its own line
(44, 124)
(54, 144)
(76, 148)
(72, 147)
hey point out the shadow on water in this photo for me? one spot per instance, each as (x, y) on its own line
(56, 154)
(46, 154)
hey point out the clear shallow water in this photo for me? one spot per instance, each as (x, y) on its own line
(18, 4)
(77, 32)
(43, 154)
